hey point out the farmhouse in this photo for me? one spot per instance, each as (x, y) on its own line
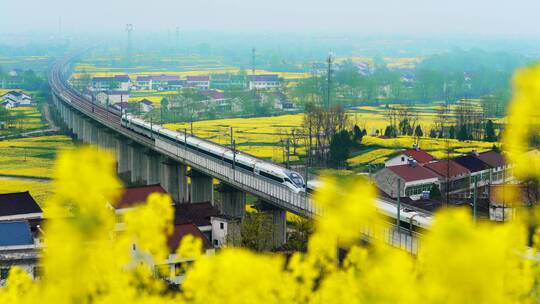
(20, 219)
(414, 180)
(500, 170)
(415, 154)
(453, 177)
(161, 82)
(199, 82)
(262, 82)
(145, 105)
(480, 171)
(14, 99)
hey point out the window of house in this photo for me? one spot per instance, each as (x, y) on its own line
(221, 226)
(403, 158)
(216, 242)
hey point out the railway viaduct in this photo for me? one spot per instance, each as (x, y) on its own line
(141, 162)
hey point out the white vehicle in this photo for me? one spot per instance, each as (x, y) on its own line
(273, 172)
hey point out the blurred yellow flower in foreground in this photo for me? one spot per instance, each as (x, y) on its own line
(84, 261)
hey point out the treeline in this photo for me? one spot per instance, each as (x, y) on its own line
(446, 77)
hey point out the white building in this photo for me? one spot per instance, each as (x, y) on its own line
(405, 157)
(14, 99)
(263, 82)
(199, 82)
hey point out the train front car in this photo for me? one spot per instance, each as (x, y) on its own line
(297, 180)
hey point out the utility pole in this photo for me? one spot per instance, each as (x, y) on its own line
(253, 61)
(474, 197)
(398, 217)
(129, 29)
(232, 136)
(288, 153)
(329, 80)
(177, 38)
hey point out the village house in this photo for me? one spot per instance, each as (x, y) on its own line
(453, 177)
(174, 85)
(415, 154)
(479, 170)
(20, 220)
(264, 82)
(14, 99)
(143, 83)
(145, 105)
(161, 82)
(201, 220)
(111, 97)
(414, 180)
(199, 82)
(279, 101)
(500, 170)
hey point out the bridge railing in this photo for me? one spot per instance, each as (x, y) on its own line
(276, 193)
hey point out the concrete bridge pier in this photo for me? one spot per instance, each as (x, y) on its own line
(279, 221)
(233, 201)
(102, 140)
(136, 163)
(93, 134)
(87, 129)
(151, 167)
(122, 158)
(80, 127)
(202, 187)
(174, 180)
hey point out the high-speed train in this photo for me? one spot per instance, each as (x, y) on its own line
(291, 179)
(409, 218)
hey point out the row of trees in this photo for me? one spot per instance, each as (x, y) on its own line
(447, 77)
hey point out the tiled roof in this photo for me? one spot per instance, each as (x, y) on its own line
(421, 156)
(411, 173)
(268, 77)
(493, 158)
(18, 203)
(15, 233)
(144, 78)
(146, 101)
(180, 231)
(198, 78)
(447, 168)
(197, 213)
(213, 94)
(135, 195)
(472, 163)
(165, 77)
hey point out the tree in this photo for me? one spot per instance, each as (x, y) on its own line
(340, 146)
(452, 132)
(257, 231)
(418, 131)
(434, 192)
(462, 134)
(489, 134)
(358, 134)
(390, 131)
(432, 133)
(297, 238)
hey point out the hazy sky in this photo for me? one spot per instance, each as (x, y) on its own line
(360, 16)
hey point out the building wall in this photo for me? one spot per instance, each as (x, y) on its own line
(397, 160)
